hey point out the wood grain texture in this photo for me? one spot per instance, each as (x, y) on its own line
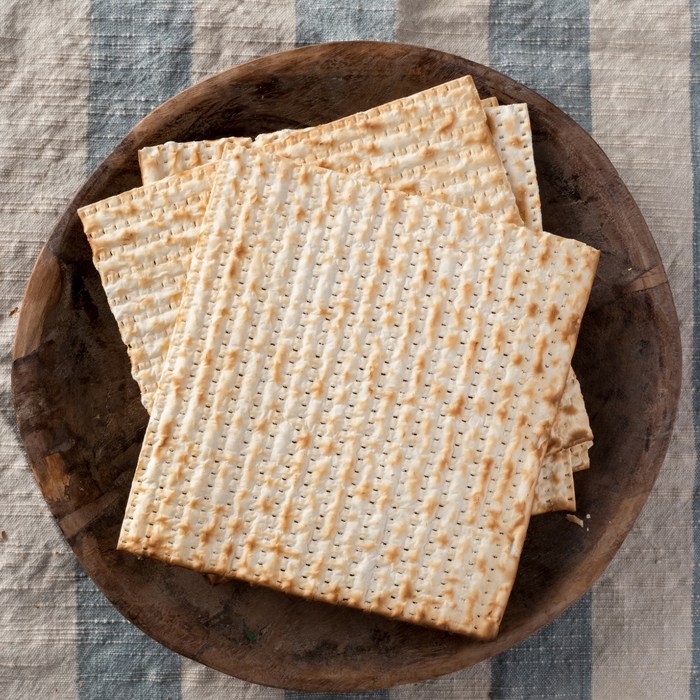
(82, 421)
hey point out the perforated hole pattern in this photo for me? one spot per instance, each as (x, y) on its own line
(374, 380)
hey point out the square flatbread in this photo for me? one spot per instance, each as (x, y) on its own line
(358, 395)
(436, 143)
(579, 456)
(142, 243)
(147, 235)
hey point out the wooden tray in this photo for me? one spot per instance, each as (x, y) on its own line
(82, 422)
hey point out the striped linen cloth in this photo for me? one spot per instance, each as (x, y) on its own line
(75, 75)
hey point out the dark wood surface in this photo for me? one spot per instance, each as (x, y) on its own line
(82, 422)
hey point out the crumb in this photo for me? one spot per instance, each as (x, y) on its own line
(573, 519)
(34, 209)
(588, 516)
(14, 311)
(3, 534)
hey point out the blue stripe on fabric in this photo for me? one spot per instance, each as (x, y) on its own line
(330, 20)
(360, 695)
(545, 45)
(115, 659)
(140, 55)
(694, 682)
(554, 663)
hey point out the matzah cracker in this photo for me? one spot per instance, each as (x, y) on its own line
(156, 161)
(511, 128)
(555, 486)
(579, 456)
(142, 243)
(122, 257)
(436, 143)
(512, 134)
(159, 162)
(572, 426)
(168, 159)
(358, 394)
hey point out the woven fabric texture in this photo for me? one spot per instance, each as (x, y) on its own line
(76, 75)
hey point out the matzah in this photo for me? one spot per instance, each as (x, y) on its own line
(572, 426)
(171, 157)
(159, 224)
(579, 456)
(512, 135)
(358, 395)
(437, 142)
(142, 243)
(555, 487)
(510, 129)
(168, 159)
(162, 161)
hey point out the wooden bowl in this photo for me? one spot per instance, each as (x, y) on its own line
(82, 422)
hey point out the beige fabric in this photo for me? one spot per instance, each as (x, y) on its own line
(43, 111)
(228, 33)
(455, 26)
(643, 613)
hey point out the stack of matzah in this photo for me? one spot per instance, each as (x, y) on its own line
(356, 399)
